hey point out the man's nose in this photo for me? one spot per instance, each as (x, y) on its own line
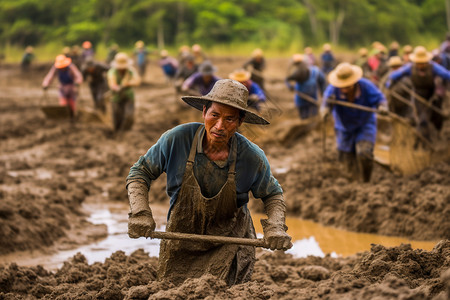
(220, 124)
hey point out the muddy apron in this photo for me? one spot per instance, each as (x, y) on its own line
(218, 215)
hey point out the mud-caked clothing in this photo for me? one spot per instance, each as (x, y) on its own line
(69, 78)
(353, 125)
(122, 101)
(95, 75)
(195, 82)
(312, 83)
(207, 197)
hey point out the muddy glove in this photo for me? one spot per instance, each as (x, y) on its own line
(275, 236)
(324, 111)
(140, 218)
(383, 110)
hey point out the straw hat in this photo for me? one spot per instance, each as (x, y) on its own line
(395, 61)
(206, 68)
(66, 50)
(139, 44)
(196, 48)
(86, 45)
(257, 53)
(394, 45)
(308, 50)
(420, 55)
(297, 57)
(240, 75)
(121, 61)
(407, 49)
(363, 52)
(62, 61)
(326, 47)
(164, 53)
(229, 92)
(29, 49)
(345, 75)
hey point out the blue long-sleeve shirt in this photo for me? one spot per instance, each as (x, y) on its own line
(255, 89)
(196, 82)
(314, 84)
(170, 155)
(349, 119)
(406, 70)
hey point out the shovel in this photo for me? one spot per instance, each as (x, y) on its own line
(206, 238)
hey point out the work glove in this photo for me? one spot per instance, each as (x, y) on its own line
(383, 110)
(275, 236)
(324, 111)
(140, 218)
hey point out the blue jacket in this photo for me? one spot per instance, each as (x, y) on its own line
(314, 84)
(406, 70)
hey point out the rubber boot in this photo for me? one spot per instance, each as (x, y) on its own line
(365, 168)
(349, 162)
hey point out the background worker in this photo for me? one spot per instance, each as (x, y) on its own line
(87, 52)
(201, 82)
(327, 59)
(310, 81)
(168, 64)
(69, 78)
(210, 171)
(27, 58)
(141, 54)
(122, 77)
(423, 73)
(355, 129)
(257, 64)
(256, 95)
(95, 74)
(198, 54)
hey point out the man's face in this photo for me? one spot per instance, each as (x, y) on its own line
(421, 66)
(221, 122)
(348, 89)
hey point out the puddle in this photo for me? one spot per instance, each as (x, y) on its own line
(309, 238)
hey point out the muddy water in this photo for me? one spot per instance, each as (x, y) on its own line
(309, 238)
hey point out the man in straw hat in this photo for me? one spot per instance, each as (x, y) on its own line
(310, 81)
(122, 77)
(257, 64)
(141, 53)
(355, 129)
(201, 82)
(69, 78)
(423, 72)
(256, 95)
(210, 171)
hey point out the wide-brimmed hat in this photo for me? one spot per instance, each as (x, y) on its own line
(164, 53)
(62, 61)
(344, 75)
(395, 61)
(121, 61)
(420, 55)
(407, 49)
(229, 92)
(86, 45)
(257, 53)
(240, 75)
(196, 48)
(139, 44)
(326, 47)
(363, 52)
(207, 68)
(298, 57)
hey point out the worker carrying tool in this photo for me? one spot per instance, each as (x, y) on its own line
(210, 171)
(355, 129)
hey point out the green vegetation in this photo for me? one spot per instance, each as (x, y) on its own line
(278, 25)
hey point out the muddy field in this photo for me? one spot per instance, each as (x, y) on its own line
(48, 168)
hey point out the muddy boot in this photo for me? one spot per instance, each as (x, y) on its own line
(364, 156)
(365, 168)
(349, 163)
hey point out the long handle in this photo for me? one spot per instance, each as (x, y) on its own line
(206, 238)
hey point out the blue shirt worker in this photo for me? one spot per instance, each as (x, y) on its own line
(355, 129)
(309, 80)
(327, 59)
(168, 64)
(141, 53)
(256, 95)
(210, 171)
(423, 73)
(201, 82)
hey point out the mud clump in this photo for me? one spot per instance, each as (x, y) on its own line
(381, 273)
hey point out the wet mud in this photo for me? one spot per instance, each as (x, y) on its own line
(49, 168)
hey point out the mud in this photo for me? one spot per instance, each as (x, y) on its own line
(49, 168)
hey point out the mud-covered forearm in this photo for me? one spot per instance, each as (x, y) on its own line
(138, 198)
(275, 208)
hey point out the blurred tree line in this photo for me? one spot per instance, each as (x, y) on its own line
(276, 24)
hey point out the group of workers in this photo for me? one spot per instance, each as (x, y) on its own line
(211, 168)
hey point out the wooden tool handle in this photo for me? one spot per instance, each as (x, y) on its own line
(206, 238)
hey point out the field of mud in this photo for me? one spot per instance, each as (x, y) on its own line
(49, 168)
